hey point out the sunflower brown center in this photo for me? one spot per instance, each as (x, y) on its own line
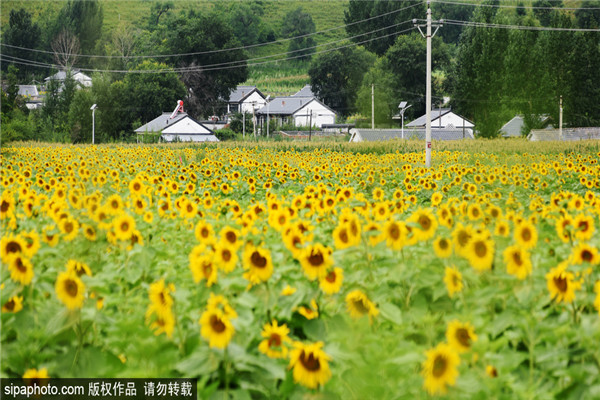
(463, 238)
(394, 232)
(4, 206)
(258, 260)
(125, 226)
(226, 255)
(231, 237)
(331, 276)
(9, 305)
(216, 324)
(583, 226)
(359, 306)
(316, 259)
(526, 234)
(480, 249)
(274, 340)
(311, 363)
(587, 256)
(13, 247)
(425, 222)
(560, 283)
(69, 227)
(343, 236)
(443, 244)
(71, 287)
(517, 258)
(204, 232)
(439, 366)
(462, 335)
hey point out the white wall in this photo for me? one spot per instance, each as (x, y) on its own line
(247, 104)
(320, 115)
(185, 125)
(451, 119)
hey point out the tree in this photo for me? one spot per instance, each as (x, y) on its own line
(335, 77)
(385, 100)
(204, 36)
(245, 18)
(21, 32)
(66, 49)
(379, 20)
(80, 117)
(298, 25)
(158, 9)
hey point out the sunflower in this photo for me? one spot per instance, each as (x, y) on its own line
(315, 259)
(10, 246)
(7, 205)
(564, 224)
(257, 262)
(225, 256)
(89, 231)
(21, 269)
(491, 371)
(584, 253)
(453, 280)
(293, 239)
(374, 235)
(50, 238)
(148, 217)
(163, 323)
(216, 328)
(114, 205)
(461, 236)
(311, 312)
(480, 252)
(358, 304)
(442, 247)
(288, 291)
(332, 282)
(440, 369)
(70, 290)
(341, 237)
(203, 268)
(395, 234)
(35, 376)
(69, 227)
(136, 187)
(460, 336)
(474, 212)
(232, 236)
(220, 302)
(123, 226)
(310, 364)
(279, 219)
(561, 284)
(275, 337)
(13, 305)
(526, 235)
(501, 228)
(204, 232)
(32, 243)
(518, 261)
(80, 268)
(160, 297)
(584, 227)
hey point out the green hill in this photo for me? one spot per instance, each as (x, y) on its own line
(274, 78)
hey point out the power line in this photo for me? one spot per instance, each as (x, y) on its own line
(514, 6)
(218, 50)
(516, 27)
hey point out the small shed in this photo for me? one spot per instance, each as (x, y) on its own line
(376, 135)
(178, 128)
(514, 127)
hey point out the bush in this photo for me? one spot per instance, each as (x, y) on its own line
(225, 134)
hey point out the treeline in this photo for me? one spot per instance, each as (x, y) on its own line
(199, 56)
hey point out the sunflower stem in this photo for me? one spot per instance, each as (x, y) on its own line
(226, 366)
(574, 312)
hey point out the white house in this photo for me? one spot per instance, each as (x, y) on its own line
(244, 98)
(178, 127)
(77, 75)
(442, 118)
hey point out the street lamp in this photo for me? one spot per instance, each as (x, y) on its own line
(93, 108)
(403, 107)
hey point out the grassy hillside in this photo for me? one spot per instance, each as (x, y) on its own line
(279, 78)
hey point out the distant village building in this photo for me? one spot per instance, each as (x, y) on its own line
(442, 118)
(244, 98)
(376, 135)
(568, 134)
(300, 109)
(514, 127)
(82, 79)
(178, 126)
(33, 100)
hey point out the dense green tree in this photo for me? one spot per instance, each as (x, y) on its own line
(245, 18)
(80, 117)
(335, 77)
(363, 17)
(210, 74)
(386, 101)
(297, 24)
(157, 10)
(21, 32)
(450, 33)
(57, 103)
(116, 112)
(83, 19)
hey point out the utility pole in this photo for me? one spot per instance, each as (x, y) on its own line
(428, 36)
(310, 127)
(560, 108)
(372, 106)
(253, 121)
(244, 123)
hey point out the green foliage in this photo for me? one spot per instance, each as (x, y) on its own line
(84, 19)
(21, 32)
(80, 117)
(226, 134)
(335, 77)
(297, 23)
(386, 101)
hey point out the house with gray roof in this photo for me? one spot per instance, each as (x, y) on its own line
(442, 118)
(82, 79)
(178, 127)
(306, 91)
(377, 135)
(514, 127)
(297, 110)
(33, 100)
(244, 98)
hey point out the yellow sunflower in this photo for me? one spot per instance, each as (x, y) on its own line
(160, 297)
(460, 336)
(584, 227)
(275, 337)
(440, 369)
(526, 235)
(203, 268)
(232, 236)
(461, 236)
(13, 305)
(311, 312)
(69, 227)
(70, 290)
(80, 268)
(257, 263)
(163, 323)
(38, 376)
(332, 282)
(21, 269)
(480, 252)
(220, 302)
(32, 243)
(11, 245)
(123, 226)
(453, 281)
(310, 364)
(491, 371)
(561, 284)
(518, 261)
(442, 247)
(288, 290)
(424, 223)
(315, 259)
(216, 328)
(358, 304)
(395, 234)
(225, 256)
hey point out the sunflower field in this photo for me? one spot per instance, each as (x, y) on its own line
(331, 271)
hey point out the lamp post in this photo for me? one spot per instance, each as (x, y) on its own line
(93, 108)
(403, 107)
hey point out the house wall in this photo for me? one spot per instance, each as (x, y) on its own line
(321, 115)
(246, 105)
(189, 138)
(185, 125)
(453, 119)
